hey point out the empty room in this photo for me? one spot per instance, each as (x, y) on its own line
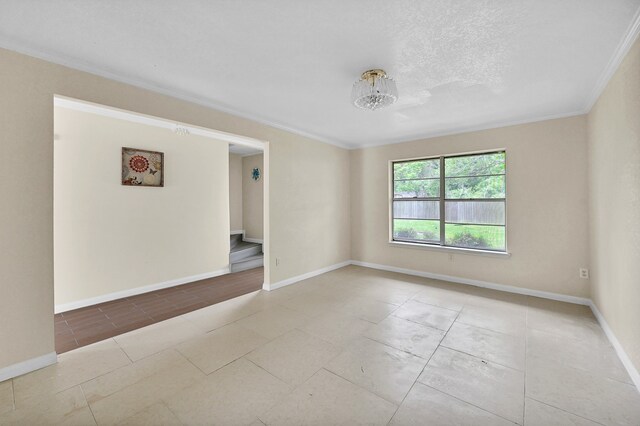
(345, 212)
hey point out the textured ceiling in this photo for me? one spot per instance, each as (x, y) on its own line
(458, 64)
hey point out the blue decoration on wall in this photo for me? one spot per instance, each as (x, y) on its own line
(255, 174)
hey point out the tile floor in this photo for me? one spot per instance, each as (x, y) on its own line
(84, 326)
(353, 346)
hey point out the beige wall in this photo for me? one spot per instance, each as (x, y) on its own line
(311, 210)
(546, 207)
(235, 192)
(252, 197)
(614, 195)
(305, 208)
(109, 237)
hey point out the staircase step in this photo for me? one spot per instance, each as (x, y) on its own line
(243, 245)
(248, 263)
(244, 250)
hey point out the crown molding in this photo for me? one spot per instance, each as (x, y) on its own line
(79, 65)
(470, 128)
(631, 35)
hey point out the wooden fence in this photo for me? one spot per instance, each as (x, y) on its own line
(480, 212)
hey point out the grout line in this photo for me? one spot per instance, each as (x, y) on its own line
(457, 320)
(473, 405)
(488, 329)
(126, 354)
(398, 349)
(482, 358)
(186, 358)
(582, 371)
(162, 401)
(431, 304)
(419, 323)
(396, 404)
(415, 381)
(99, 376)
(104, 373)
(88, 405)
(564, 411)
(292, 387)
(426, 364)
(591, 344)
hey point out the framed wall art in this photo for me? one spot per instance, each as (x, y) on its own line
(142, 168)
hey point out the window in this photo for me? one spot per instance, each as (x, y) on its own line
(453, 201)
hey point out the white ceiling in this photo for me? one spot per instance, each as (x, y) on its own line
(459, 65)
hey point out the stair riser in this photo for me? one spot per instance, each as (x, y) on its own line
(243, 266)
(235, 239)
(243, 254)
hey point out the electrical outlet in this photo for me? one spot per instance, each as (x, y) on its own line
(277, 261)
(450, 257)
(584, 273)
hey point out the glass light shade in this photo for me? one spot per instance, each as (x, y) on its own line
(375, 92)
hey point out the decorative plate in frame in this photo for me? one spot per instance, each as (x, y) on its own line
(142, 168)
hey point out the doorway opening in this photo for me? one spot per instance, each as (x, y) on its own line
(246, 204)
(142, 242)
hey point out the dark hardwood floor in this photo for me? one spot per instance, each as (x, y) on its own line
(84, 326)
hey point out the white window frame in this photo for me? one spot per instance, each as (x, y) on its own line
(441, 246)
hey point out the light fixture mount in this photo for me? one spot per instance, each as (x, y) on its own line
(374, 90)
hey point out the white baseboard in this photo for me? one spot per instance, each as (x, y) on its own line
(624, 358)
(236, 232)
(138, 290)
(27, 366)
(308, 275)
(254, 240)
(478, 283)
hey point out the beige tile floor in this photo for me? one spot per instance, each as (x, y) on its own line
(353, 346)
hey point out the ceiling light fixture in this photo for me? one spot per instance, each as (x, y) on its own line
(374, 90)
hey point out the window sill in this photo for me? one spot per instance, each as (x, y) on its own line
(452, 250)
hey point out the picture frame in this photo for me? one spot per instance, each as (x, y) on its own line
(141, 167)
